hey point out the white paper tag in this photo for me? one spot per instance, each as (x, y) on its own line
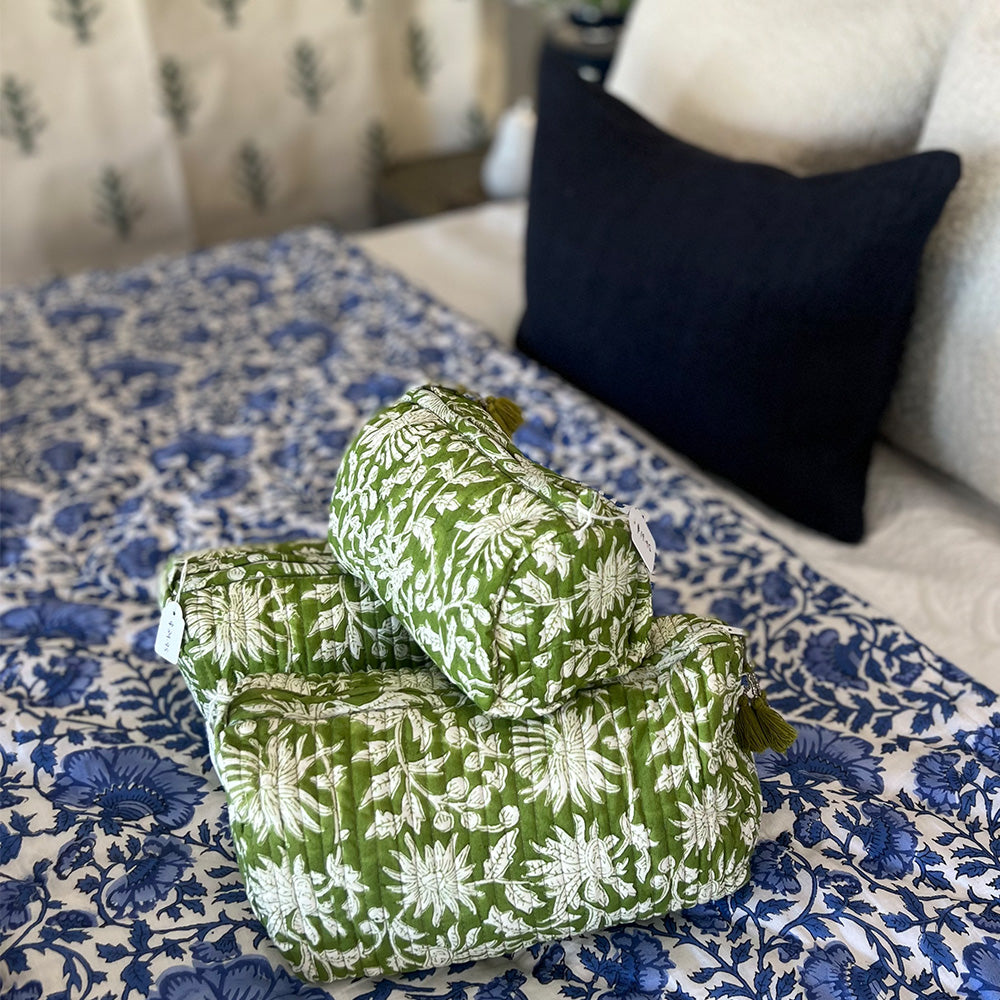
(642, 537)
(170, 633)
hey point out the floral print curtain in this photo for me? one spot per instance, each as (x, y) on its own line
(129, 127)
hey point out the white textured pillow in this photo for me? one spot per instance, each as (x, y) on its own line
(807, 85)
(946, 407)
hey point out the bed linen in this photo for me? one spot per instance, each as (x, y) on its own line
(205, 401)
(930, 558)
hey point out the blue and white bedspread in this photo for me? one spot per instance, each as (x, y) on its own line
(207, 400)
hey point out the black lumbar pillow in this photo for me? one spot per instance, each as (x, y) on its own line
(749, 318)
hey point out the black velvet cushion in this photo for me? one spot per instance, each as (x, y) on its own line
(749, 318)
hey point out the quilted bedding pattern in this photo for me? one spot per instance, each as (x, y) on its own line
(206, 401)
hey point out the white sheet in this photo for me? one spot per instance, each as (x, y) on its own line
(931, 555)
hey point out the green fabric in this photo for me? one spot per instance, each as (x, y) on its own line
(278, 608)
(383, 823)
(521, 585)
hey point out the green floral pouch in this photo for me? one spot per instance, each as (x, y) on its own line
(384, 824)
(522, 586)
(277, 608)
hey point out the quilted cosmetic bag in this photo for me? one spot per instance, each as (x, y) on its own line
(279, 608)
(384, 823)
(522, 586)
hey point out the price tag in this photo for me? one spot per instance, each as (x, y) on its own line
(170, 632)
(642, 537)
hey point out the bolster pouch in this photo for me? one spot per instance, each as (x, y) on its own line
(521, 585)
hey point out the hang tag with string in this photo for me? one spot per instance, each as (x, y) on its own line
(170, 632)
(642, 537)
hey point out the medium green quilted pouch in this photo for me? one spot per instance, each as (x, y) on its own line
(383, 823)
(284, 607)
(521, 585)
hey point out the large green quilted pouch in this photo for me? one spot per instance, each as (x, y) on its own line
(523, 586)
(383, 823)
(283, 607)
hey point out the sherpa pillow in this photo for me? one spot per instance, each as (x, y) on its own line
(809, 87)
(946, 408)
(383, 824)
(280, 607)
(521, 585)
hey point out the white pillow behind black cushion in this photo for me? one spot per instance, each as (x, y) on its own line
(946, 407)
(807, 85)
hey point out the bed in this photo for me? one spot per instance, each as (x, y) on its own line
(206, 400)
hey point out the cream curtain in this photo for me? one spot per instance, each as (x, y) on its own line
(131, 127)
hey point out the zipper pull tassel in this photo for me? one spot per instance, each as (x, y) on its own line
(759, 727)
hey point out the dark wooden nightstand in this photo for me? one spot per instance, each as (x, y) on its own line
(418, 188)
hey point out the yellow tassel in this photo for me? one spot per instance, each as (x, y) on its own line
(505, 412)
(758, 727)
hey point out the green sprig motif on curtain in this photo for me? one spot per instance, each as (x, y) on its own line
(254, 177)
(117, 207)
(376, 148)
(477, 128)
(423, 63)
(230, 10)
(20, 119)
(78, 14)
(309, 80)
(178, 97)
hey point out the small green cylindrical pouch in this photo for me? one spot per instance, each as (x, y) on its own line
(383, 823)
(273, 608)
(521, 585)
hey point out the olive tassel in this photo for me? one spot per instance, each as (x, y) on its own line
(505, 412)
(758, 727)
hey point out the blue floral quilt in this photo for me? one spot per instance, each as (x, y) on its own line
(207, 400)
